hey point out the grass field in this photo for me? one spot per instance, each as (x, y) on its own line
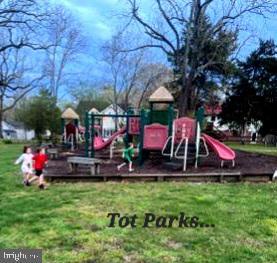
(255, 148)
(69, 221)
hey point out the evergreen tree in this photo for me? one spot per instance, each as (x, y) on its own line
(254, 95)
(40, 113)
(209, 59)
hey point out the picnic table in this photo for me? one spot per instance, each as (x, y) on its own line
(93, 163)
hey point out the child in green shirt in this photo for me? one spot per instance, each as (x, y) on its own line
(128, 154)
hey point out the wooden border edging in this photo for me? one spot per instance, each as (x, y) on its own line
(186, 177)
(179, 174)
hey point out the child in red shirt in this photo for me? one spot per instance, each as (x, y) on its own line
(40, 160)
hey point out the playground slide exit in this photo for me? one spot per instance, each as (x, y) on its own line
(223, 151)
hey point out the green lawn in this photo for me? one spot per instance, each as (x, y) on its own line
(254, 148)
(68, 221)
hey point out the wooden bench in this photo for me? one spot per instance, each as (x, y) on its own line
(53, 153)
(93, 163)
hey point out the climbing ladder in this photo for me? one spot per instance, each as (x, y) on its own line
(186, 148)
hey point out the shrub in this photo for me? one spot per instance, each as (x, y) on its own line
(7, 141)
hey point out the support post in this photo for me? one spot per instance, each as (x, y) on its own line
(76, 123)
(92, 153)
(111, 150)
(62, 125)
(197, 143)
(141, 135)
(185, 155)
(200, 116)
(87, 141)
(151, 113)
(127, 138)
(170, 118)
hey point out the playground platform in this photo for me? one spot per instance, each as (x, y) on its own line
(249, 168)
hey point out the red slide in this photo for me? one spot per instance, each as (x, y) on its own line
(223, 151)
(100, 144)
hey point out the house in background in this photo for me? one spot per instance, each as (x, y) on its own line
(211, 114)
(212, 118)
(16, 131)
(8, 130)
(94, 110)
(109, 123)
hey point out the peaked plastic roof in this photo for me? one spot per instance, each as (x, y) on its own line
(161, 95)
(70, 114)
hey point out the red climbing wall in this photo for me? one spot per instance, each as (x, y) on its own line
(134, 125)
(184, 127)
(70, 129)
(155, 136)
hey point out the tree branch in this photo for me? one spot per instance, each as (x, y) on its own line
(154, 33)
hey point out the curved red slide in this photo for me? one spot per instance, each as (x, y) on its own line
(223, 151)
(100, 144)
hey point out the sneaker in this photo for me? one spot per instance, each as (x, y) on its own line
(27, 183)
(41, 186)
(118, 168)
(131, 170)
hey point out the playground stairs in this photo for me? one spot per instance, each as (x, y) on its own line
(177, 161)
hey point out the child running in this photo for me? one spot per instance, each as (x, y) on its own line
(128, 154)
(26, 159)
(40, 160)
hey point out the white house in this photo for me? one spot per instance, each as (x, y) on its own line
(109, 123)
(212, 117)
(16, 131)
(8, 130)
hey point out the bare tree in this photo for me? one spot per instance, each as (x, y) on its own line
(67, 42)
(123, 69)
(149, 78)
(20, 22)
(21, 26)
(15, 80)
(179, 22)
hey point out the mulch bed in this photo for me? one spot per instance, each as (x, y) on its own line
(246, 163)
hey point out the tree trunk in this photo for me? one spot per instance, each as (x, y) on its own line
(38, 136)
(142, 95)
(185, 102)
(126, 106)
(184, 99)
(188, 97)
(192, 99)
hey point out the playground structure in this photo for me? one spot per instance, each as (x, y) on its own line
(93, 139)
(186, 142)
(70, 128)
(159, 130)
